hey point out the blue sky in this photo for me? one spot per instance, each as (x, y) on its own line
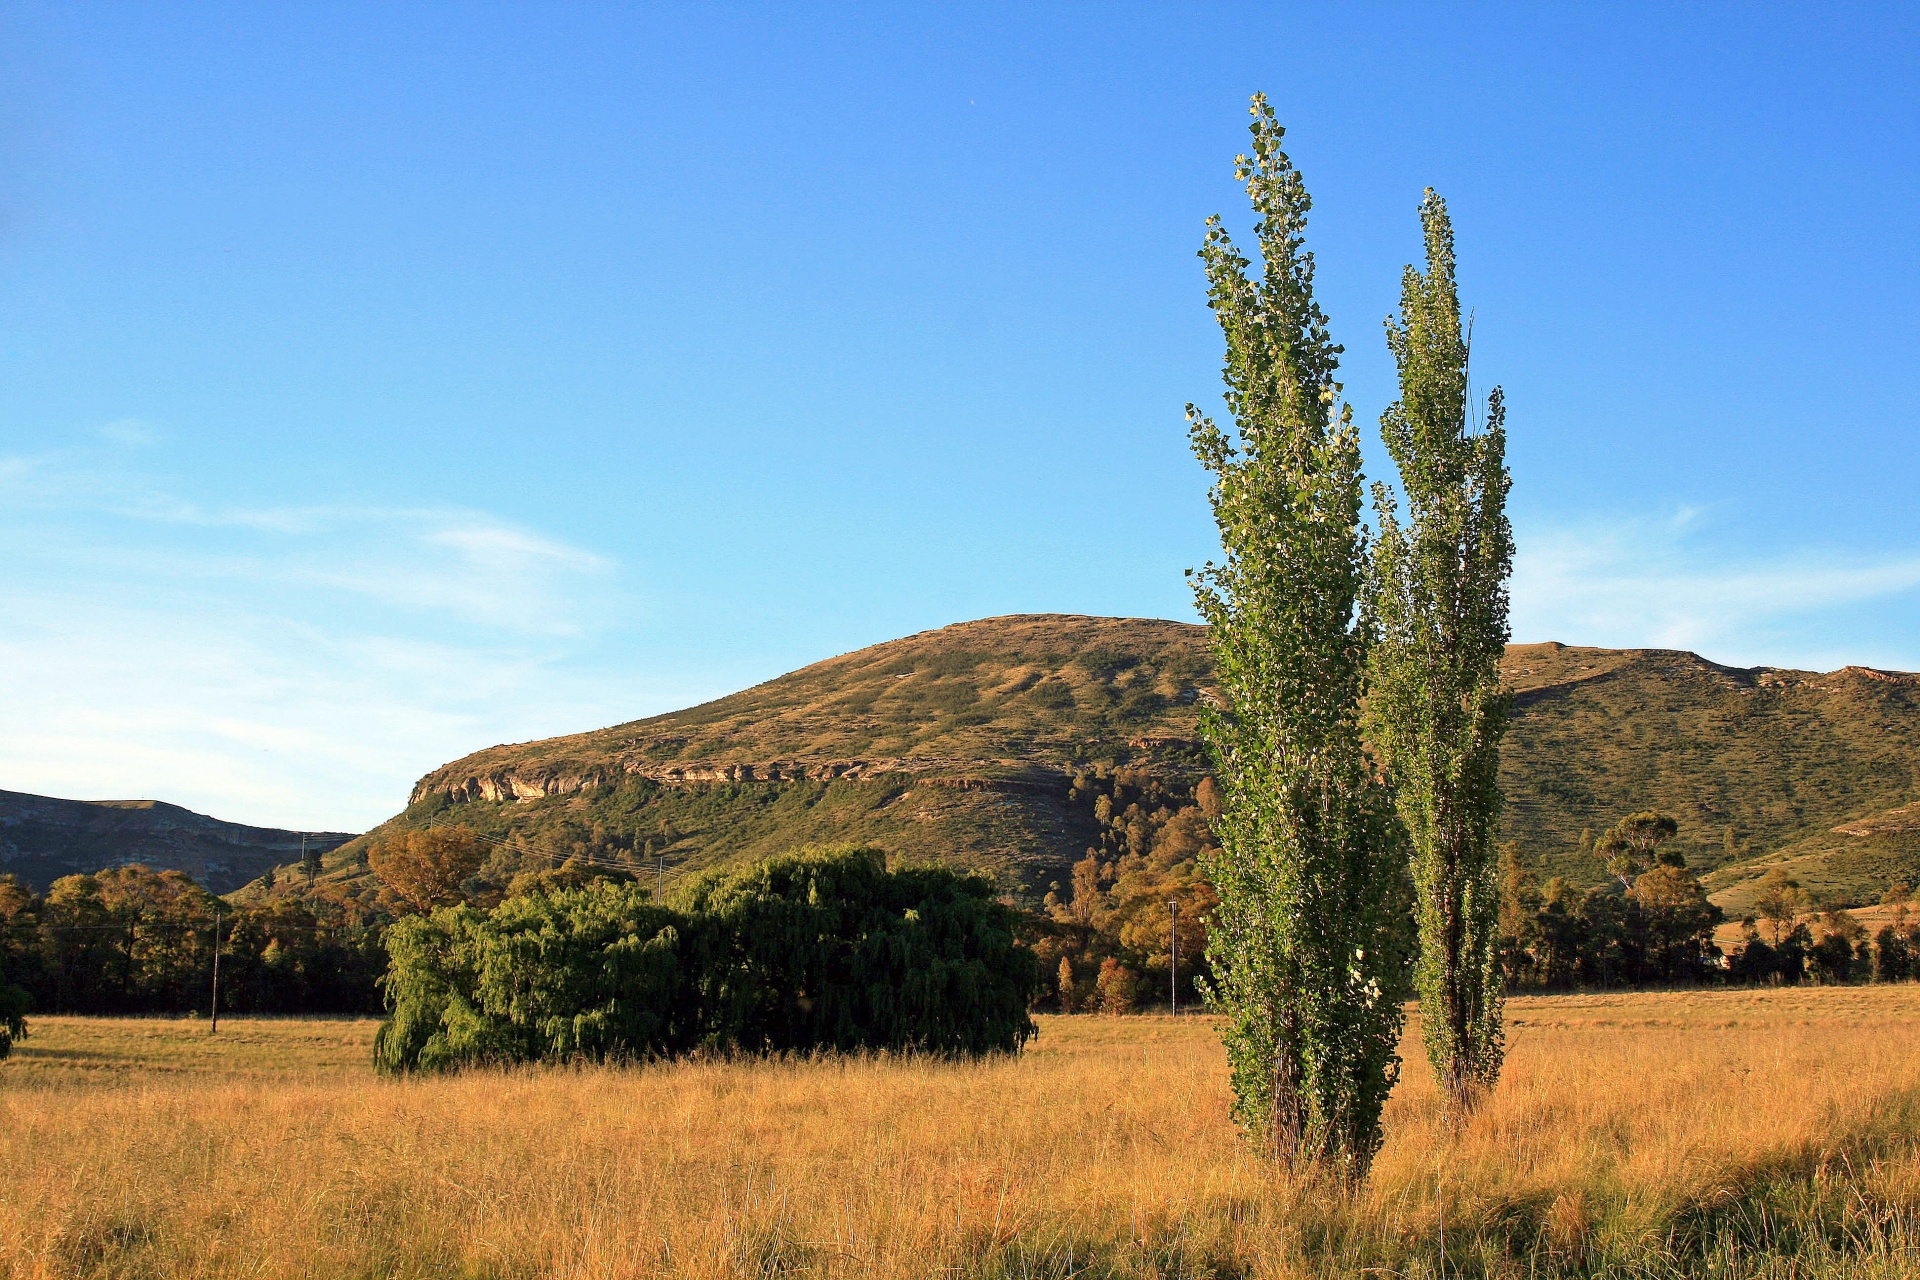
(385, 382)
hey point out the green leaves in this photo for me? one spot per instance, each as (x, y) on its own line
(1306, 946)
(1632, 845)
(1438, 609)
(817, 949)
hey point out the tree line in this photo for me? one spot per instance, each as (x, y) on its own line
(1107, 939)
(1104, 937)
(132, 940)
(1651, 924)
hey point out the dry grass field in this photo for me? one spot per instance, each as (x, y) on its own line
(1719, 1134)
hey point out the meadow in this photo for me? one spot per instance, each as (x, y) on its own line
(1720, 1133)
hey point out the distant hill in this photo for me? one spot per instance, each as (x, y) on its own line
(1781, 757)
(959, 744)
(42, 839)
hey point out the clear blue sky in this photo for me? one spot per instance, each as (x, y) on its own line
(383, 382)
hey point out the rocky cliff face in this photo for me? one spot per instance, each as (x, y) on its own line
(42, 839)
(537, 781)
(507, 783)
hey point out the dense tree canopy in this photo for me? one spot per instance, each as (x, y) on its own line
(134, 940)
(816, 949)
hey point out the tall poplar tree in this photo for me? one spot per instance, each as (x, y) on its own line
(1436, 711)
(1306, 944)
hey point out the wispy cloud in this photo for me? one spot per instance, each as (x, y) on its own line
(295, 665)
(260, 716)
(429, 558)
(1669, 583)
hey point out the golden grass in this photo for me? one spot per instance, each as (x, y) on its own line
(1718, 1133)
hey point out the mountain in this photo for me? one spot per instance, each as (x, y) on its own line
(961, 743)
(42, 839)
(1782, 758)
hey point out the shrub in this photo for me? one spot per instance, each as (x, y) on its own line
(591, 972)
(818, 949)
(826, 948)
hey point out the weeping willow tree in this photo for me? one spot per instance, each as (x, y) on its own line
(1307, 944)
(1437, 712)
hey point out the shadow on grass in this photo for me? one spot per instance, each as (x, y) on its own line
(1813, 1210)
(1813, 1195)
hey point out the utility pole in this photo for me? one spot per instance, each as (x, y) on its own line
(216, 973)
(1173, 953)
(660, 877)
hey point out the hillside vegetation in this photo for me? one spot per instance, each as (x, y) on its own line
(962, 744)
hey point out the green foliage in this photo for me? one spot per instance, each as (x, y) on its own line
(821, 949)
(134, 940)
(1556, 937)
(829, 949)
(592, 972)
(1633, 844)
(1306, 945)
(1781, 902)
(1437, 711)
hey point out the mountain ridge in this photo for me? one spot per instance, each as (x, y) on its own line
(1016, 705)
(44, 837)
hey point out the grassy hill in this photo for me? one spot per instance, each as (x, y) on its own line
(1851, 862)
(1781, 757)
(961, 743)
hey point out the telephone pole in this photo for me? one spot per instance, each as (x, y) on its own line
(216, 973)
(1173, 953)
